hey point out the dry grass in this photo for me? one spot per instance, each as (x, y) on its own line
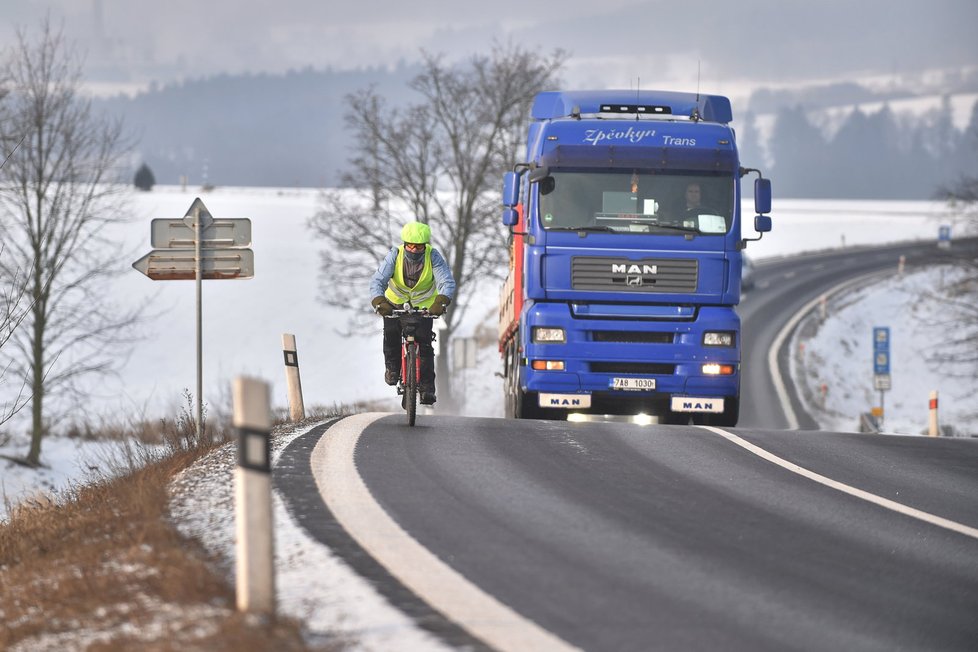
(104, 570)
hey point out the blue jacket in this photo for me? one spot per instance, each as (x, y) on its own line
(439, 267)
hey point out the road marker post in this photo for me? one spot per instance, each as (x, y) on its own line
(933, 429)
(297, 409)
(255, 551)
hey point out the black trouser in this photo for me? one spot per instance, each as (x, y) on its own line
(423, 336)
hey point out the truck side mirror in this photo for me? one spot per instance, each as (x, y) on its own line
(762, 223)
(511, 189)
(510, 217)
(762, 197)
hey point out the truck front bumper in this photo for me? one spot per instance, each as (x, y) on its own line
(599, 355)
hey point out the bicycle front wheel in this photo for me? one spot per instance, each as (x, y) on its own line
(411, 383)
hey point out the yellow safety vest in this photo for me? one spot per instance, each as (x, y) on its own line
(423, 294)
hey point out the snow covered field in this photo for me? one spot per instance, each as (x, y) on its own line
(244, 320)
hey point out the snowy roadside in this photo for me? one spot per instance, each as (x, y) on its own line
(312, 583)
(832, 359)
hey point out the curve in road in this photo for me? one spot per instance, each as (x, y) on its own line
(615, 536)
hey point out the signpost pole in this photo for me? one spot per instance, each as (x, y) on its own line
(199, 265)
(882, 409)
(220, 245)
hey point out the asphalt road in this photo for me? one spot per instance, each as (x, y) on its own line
(613, 536)
(623, 537)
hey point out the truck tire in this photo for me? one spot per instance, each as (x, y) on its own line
(526, 405)
(519, 405)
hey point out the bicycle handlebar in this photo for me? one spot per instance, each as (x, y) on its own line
(421, 312)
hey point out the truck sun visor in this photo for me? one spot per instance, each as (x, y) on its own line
(674, 158)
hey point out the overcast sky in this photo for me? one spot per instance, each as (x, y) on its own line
(610, 42)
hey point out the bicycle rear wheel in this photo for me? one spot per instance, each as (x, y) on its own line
(411, 383)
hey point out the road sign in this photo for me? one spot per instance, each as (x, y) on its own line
(881, 358)
(214, 250)
(180, 264)
(178, 234)
(944, 236)
(881, 362)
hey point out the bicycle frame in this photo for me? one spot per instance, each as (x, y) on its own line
(409, 384)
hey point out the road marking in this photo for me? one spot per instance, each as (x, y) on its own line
(772, 354)
(927, 517)
(462, 602)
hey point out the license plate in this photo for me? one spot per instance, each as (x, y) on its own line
(633, 383)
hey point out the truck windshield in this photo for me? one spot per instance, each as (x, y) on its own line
(636, 201)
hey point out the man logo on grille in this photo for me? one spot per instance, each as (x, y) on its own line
(617, 268)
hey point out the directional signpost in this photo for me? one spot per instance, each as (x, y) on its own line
(881, 363)
(199, 247)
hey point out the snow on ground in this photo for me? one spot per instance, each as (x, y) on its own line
(839, 355)
(333, 601)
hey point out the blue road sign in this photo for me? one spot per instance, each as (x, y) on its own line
(881, 350)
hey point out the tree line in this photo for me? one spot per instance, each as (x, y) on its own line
(872, 155)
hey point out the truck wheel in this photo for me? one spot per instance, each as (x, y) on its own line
(526, 405)
(511, 393)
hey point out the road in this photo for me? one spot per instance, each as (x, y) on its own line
(783, 288)
(612, 536)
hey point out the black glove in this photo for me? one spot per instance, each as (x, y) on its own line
(438, 307)
(382, 306)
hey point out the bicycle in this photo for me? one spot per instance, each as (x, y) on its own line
(409, 383)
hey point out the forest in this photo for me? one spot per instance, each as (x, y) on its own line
(292, 130)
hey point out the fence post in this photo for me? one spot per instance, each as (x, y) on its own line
(255, 553)
(297, 409)
(932, 427)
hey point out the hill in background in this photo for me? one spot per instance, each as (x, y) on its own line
(883, 137)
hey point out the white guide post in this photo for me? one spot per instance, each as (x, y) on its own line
(255, 553)
(297, 409)
(932, 425)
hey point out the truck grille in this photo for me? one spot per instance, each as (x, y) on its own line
(632, 336)
(658, 275)
(633, 368)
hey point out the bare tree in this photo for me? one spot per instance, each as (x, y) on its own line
(57, 196)
(439, 161)
(13, 311)
(955, 304)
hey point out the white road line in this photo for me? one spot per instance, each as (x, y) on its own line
(346, 495)
(927, 517)
(772, 354)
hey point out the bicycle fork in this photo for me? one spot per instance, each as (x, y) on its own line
(409, 341)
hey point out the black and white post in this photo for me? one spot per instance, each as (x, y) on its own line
(255, 552)
(297, 409)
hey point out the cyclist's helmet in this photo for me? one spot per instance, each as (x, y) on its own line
(416, 233)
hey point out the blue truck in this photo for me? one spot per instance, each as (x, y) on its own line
(625, 258)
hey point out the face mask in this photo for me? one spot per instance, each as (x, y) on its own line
(414, 256)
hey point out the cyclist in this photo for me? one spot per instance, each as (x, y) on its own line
(413, 272)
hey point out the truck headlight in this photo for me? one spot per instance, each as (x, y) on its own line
(544, 335)
(714, 369)
(718, 338)
(547, 365)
